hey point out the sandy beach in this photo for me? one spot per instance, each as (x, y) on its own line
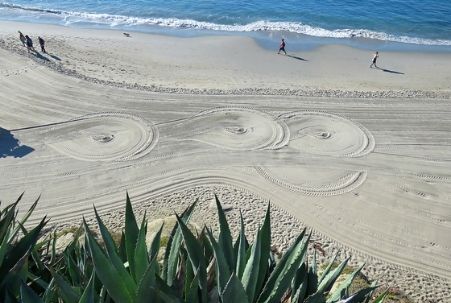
(361, 156)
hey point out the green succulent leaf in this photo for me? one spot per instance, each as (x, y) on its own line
(340, 292)
(225, 236)
(284, 272)
(300, 284)
(88, 295)
(359, 296)
(195, 257)
(312, 278)
(381, 297)
(116, 279)
(14, 258)
(234, 291)
(241, 251)
(331, 277)
(147, 285)
(66, 291)
(141, 258)
(222, 268)
(171, 256)
(112, 254)
(328, 268)
(155, 244)
(131, 235)
(27, 295)
(265, 249)
(251, 271)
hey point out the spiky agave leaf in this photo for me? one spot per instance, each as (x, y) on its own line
(242, 247)
(331, 277)
(328, 268)
(222, 268)
(172, 252)
(66, 291)
(147, 285)
(299, 285)
(141, 258)
(131, 235)
(341, 291)
(234, 291)
(265, 249)
(196, 257)
(225, 236)
(89, 295)
(251, 270)
(359, 296)
(114, 276)
(27, 295)
(15, 258)
(284, 272)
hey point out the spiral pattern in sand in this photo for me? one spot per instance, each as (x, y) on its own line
(313, 181)
(104, 137)
(326, 134)
(238, 129)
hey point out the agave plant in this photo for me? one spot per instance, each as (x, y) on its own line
(204, 268)
(16, 246)
(196, 267)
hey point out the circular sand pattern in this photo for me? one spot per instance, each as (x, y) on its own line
(326, 134)
(313, 181)
(238, 129)
(104, 137)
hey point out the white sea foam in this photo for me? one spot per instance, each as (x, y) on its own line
(294, 27)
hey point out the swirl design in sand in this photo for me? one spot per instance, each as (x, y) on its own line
(326, 134)
(237, 129)
(104, 137)
(313, 181)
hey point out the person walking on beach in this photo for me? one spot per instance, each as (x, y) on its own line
(22, 38)
(29, 44)
(282, 47)
(376, 55)
(42, 44)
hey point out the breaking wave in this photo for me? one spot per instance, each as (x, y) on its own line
(70, 17)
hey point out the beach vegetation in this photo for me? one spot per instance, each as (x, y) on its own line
(197, 265)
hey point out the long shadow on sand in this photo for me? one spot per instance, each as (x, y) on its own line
(40, 56)
(11, 147)
(54, 57)
(390, 71)
(296, 57)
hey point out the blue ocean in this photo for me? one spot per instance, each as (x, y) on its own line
(405, 22)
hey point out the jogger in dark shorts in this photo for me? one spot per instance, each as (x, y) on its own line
(282, 47)
(376, 55)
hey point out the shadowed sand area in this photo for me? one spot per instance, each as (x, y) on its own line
(371, 174)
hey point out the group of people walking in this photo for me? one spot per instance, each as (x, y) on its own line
(283, 44)
(26, 41)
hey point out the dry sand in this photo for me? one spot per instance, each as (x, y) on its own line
(371, 176)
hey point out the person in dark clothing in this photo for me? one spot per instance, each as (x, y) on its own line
(29, 44)
(373, 62)
(282, 47)
(22, 38)
(42, 44)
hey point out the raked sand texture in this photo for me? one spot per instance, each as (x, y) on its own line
(374, 175)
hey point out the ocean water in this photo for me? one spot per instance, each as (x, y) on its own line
(409, 22)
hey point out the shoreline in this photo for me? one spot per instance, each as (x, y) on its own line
(153, 63)
(267, 33)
